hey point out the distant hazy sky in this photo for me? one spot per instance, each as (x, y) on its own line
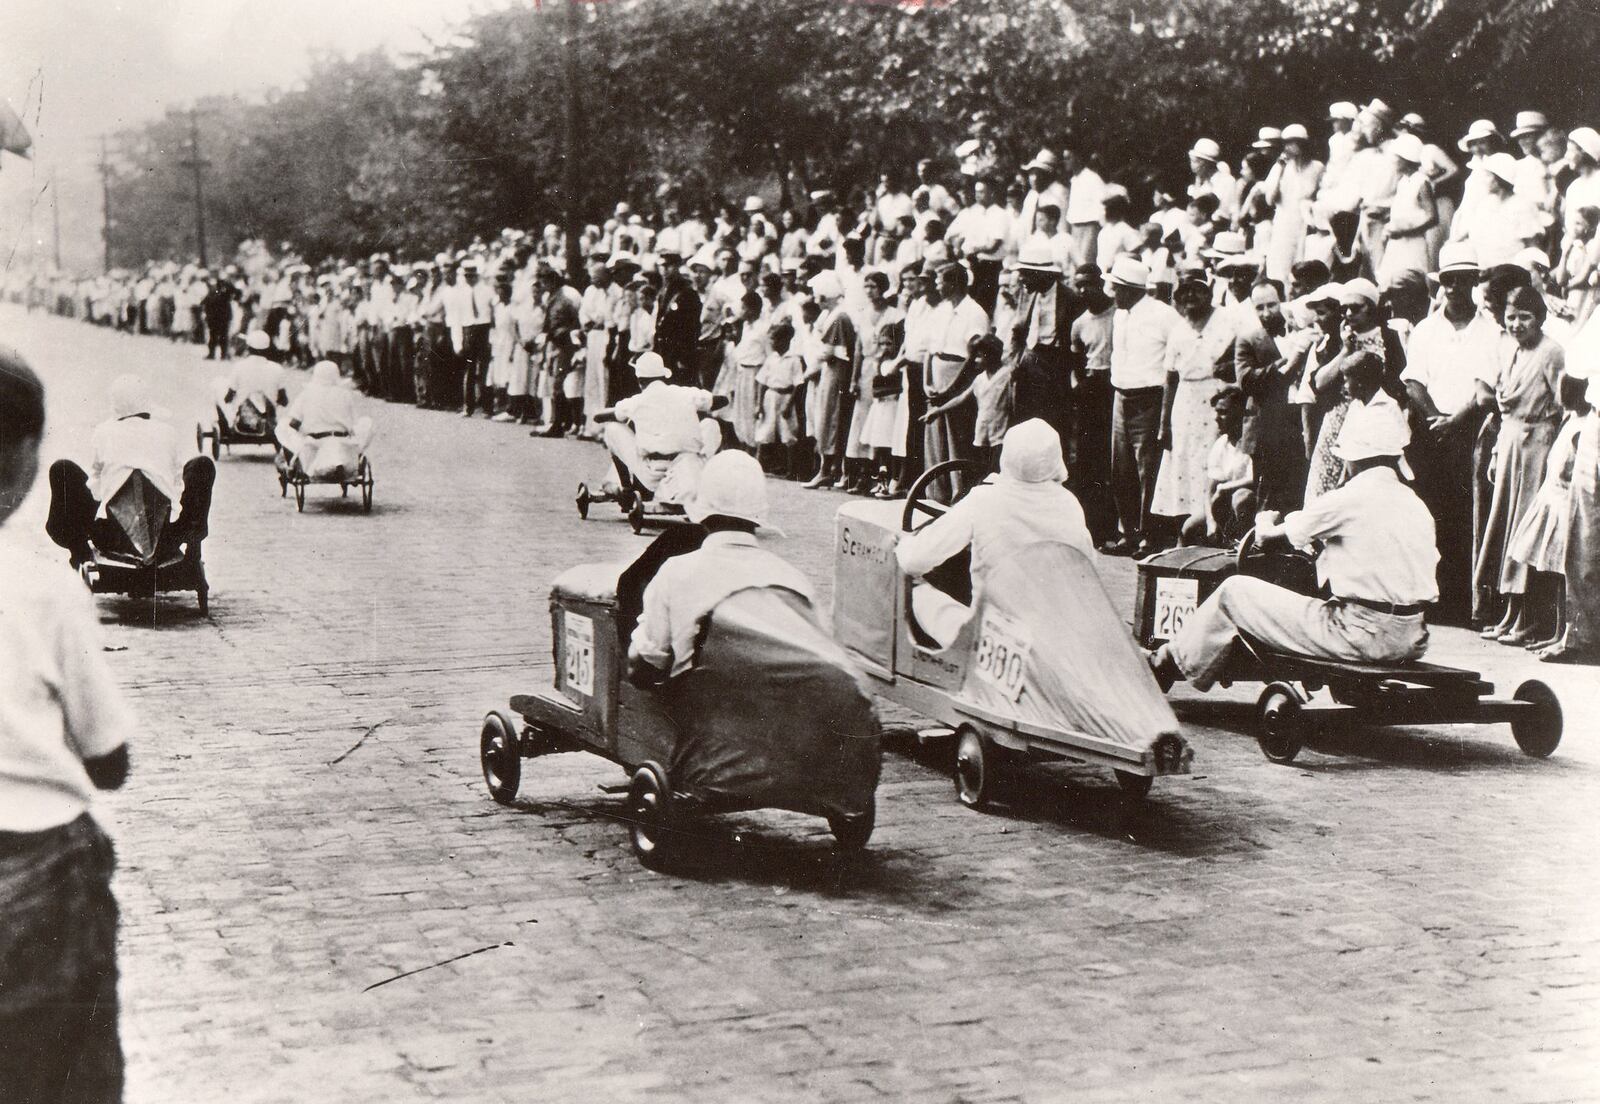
(78, 68)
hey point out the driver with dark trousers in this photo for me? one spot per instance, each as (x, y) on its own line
(1378, 557)
(731, 503)
(1026, 503)
(134, 439)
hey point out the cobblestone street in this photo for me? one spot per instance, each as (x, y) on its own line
(321, 903)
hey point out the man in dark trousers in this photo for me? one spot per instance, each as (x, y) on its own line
(1043, 379)
(677, 313)
(217, 307)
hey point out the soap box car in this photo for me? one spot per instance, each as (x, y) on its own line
(1172, 584)
(134, 552)
(1043, 669)
(255, 423)
(773, 715)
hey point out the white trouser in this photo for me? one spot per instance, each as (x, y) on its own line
(318, 456)
(1284, 621)
(938, 614)
(671, 480)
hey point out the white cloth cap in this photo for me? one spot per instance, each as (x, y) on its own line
(129, 396)
(1344, 109)
(1358, 289)
(1479, 130)
(1407, 147)
(826, 285)
(326, 374)
(1207, 149)
(1031, 453)
(732, 485)
(258, 340)
(1375, 428)
(651, 366)
(1502, 165)
(1586, 139)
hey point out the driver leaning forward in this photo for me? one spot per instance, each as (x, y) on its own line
(1378, 557)
(731, 503)
(658, 436)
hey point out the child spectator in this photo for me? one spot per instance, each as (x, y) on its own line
(1230, 478)
(779, 380)
(1540, 542)
(63, 734)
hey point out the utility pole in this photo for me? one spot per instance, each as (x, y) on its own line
(55, 212)
(194, 163)
(105, 202)
(573, 142)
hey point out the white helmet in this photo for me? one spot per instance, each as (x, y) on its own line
(731, 485)
(651, 366)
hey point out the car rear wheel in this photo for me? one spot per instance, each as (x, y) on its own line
(976, 768)
(1538, 729)
(649, 801)
(500, 754)
(1281, 722)
(851, 833)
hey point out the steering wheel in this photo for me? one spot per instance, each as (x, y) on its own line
(918, 502)
(1247, 545)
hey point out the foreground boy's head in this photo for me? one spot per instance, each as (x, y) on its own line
(21, 426)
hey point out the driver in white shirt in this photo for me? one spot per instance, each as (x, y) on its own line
(1378, 557)
(325, 409)
(659, 435)
(1026, 503)
(252, 375)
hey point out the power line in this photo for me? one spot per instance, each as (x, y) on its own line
(195, 163)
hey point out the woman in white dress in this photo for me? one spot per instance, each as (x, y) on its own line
(1188, 423)
(1412, 214)
(1291, 185)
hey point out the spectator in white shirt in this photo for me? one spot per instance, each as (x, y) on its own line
(1084, 211)
(1141, 331)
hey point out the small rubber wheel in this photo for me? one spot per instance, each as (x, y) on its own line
(582, 501)
(366, 485)
(500, 753)
(300, 497)
(216, 443)
(1134, 785)
(636, 517)
(199, 438)
(626, 500)
(649, 802)
(1281, 722)
(975, 770)
(851, 833)
(1537, 730)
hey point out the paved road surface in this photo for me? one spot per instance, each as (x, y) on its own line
(321, 903)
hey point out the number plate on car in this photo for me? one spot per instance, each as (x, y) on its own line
(579, 653)
(1175, 603)
(1001, 658)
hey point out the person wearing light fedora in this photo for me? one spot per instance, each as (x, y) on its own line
(1449, 373)
(1377, 555)
(1042, 382)
(1290, 187)
(1142, 332)
(1498, 223)
(1211, 174)
(1412, 214)
(1044, 186)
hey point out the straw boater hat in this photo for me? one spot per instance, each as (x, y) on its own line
(1229, 243)
(1379, 110)
(1037, 256)
(1458, 257)
(1129, 272)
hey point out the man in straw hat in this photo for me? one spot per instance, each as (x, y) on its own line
(1451, 366)
(1041, 339)
(1377, 556)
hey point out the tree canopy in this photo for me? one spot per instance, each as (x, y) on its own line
(416, 153)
